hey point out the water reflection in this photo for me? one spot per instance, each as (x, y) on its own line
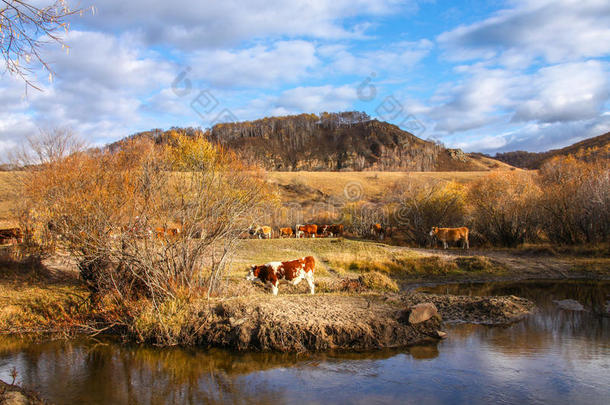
(553, 356)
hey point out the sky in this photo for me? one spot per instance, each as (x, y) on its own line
(486, 76)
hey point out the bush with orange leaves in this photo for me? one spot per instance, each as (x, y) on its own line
(417, 207)
(504, 208)
(575, 205)
(144, 221)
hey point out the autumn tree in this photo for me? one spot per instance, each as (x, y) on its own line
(575, 206)
(504, 207)
(146, 221)
(25, 27)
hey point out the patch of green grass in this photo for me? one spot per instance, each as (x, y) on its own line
(333, 255)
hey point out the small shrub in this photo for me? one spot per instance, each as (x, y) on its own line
(419, 207)
(377, 281)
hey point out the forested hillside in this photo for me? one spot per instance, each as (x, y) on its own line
(334, 142)
(589, 150)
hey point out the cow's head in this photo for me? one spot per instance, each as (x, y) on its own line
(433, 231)
(253, 272)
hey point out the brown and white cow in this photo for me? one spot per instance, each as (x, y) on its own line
(309, 230)
(286, 232)
(335, 230)
(262, 232)
(451, 235)
(322, 230)
(293, 272)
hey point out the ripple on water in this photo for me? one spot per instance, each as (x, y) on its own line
(552, 356)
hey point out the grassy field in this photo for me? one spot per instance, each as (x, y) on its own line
(339, 258)
(374, 184)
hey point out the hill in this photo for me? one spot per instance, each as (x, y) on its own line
(348, 141)
(592, 149)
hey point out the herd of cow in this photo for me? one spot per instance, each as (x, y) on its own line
(299, 231)
(292, 271)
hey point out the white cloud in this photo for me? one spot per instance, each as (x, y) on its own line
(97, 90)
(567, 92)
(259, 66)
(559, 93)
(316, 99)
(395, 58)
(554, 30)
(195, 25)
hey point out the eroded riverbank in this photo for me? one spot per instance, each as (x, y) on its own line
(552, 355)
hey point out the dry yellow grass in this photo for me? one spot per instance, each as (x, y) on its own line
(374, 184)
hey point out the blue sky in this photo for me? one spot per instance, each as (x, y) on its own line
(480, 75)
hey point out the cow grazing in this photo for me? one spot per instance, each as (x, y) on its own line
(451, 235)
(378, 231)
(309, 230)
(335, 230)
(286, 232)
(323, 231)
(11, 235)
(293, 271)
(262, 232)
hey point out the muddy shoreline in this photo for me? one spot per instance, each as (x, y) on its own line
(298, 323)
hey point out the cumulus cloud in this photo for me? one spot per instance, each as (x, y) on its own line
(98, 89)
(560, 93)
(393, 58)
(553, 30)
(316, 99)
(259, 65)
(567, 92)
(194, 25)
(534, 137)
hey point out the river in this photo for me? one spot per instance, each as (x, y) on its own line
(554, 356)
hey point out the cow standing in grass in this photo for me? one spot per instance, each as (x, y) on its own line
(309, 230)
(286, 232)
(451, 235)
(335, 230)
(292, 272)
(262, 232)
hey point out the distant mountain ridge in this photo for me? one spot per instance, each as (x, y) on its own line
(348, 141)
(591, 149)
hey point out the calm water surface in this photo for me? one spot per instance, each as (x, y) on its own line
(554, 356)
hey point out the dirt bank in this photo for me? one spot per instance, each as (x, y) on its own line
(329, 321)
(11, 394)
(481, 310)
(322, 322)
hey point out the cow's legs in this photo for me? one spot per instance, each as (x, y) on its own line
(445, 246)
(309, 278)
(467, 244)
(274, 288)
